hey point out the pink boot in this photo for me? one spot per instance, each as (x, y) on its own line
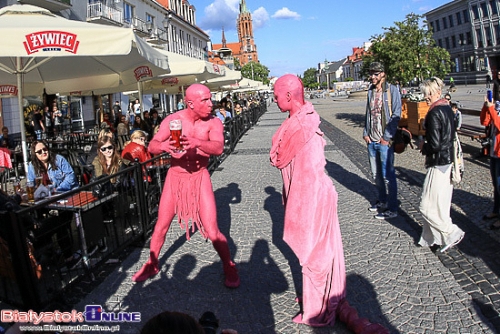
(231, 273)
(149, 269)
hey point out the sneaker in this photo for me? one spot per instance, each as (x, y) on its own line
(387, 214)
(378, 205)
(232, 278)
(446, 247)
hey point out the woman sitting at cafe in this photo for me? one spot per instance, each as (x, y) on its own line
(136, 147)
(53, 168)
(107, 161)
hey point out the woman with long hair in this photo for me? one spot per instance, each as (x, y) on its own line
(53, 168)
(107, 161)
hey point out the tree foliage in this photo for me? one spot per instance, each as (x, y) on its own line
(255, 71)
(408, 52)
(309, 79)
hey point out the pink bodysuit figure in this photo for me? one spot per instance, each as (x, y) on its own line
(311, 226)
(188, 191)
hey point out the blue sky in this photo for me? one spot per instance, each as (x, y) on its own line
(292, 36)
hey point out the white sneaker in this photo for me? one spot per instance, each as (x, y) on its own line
(387, 214)
(378, 205)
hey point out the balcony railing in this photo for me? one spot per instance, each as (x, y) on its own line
(158, 36)
(107, 15)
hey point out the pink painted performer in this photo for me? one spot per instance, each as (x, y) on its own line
(188, 191)
(311, 227)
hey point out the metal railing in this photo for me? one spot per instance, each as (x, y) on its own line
(100, 10)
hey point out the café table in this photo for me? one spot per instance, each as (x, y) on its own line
(79, 203)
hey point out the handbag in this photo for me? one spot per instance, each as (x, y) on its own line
(101, 188)
(457, 165)
(401, 139)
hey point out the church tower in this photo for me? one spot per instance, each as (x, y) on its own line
(248, 49)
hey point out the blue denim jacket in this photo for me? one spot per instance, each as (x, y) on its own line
(62, 177)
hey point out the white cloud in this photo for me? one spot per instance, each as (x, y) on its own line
(285, 13)
(220, 13)
(260, 17)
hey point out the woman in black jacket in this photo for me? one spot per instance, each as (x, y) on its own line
(435, 204)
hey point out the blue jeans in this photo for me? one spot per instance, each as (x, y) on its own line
(381, 159)
(495, 178)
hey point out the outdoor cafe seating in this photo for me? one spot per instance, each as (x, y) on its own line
(53, 240)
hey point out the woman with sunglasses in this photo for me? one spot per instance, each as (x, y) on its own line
(107, 161)
(53, 168)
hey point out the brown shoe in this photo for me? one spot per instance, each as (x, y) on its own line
(490, 216)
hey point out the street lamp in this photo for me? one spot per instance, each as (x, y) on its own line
(166, 24)
(251, 64)
(464, 63)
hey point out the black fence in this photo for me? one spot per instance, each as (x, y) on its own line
(49, 245)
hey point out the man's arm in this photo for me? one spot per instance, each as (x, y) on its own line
(392, 125)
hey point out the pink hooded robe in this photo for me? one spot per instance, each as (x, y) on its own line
(311, 225)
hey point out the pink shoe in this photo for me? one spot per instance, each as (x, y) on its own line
(148, 270)
(231, 273)
(298, 319)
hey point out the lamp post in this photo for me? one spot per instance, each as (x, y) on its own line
(166, 25)
(464, 63)
(251, 64)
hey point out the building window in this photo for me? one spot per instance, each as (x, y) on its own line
(484, 9)
(461, 39)
(494, 8)
(432, 26)
(128, 12)
(440, 43)
(489, 40)
(466, 16)
(453, 42)
(447, 43)
(479, 38)
(450, 19)
(459, 19)
(469, 37)
(445, 25)
(475, 12)
(438, 27)
(497, 33)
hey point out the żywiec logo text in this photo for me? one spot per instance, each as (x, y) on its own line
(142, 71)
(51, 40)
(170, 81)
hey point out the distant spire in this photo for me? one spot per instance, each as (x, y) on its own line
(243, 7)
(223, 39)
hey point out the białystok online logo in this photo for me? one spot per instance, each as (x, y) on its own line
(93, 313)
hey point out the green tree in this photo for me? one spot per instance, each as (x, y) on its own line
(237, 65)
(255, 71)
(309, 80)
(408, 52)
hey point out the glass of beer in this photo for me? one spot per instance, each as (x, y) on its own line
(176, 133)
(17, 186)
(30, 191)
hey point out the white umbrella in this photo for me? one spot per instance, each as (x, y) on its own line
(41, 50)
(184, 71)
(230, 79)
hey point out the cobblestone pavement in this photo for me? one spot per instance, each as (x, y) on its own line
(406, 288)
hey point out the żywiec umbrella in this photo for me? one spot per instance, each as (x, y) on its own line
(41, 50)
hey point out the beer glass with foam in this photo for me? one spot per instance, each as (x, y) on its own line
(176, 133)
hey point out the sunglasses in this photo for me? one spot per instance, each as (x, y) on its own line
(106, 148)
(376, 74)
(42, 149)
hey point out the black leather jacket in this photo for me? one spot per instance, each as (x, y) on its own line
(439, 134)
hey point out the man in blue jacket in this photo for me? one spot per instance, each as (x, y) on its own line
(383, 111)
